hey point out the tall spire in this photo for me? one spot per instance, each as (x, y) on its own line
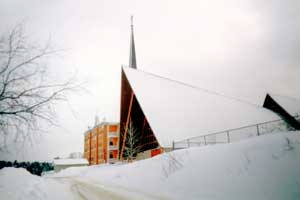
(132, 58)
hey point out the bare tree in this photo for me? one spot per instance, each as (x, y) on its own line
(132, 142)
(27, 95)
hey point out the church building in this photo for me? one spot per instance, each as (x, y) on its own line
(163, 110)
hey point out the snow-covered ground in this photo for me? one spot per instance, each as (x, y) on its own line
(20, 184)
(265, 167)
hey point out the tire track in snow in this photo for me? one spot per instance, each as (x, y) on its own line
(89, 191)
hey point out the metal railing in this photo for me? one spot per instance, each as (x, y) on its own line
(112, 134)
(234, 135)
(113, 147)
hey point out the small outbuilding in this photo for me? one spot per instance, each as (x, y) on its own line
(60, 164)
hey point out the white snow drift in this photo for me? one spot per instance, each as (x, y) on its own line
(264, 167)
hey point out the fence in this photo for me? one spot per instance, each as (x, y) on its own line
(234, 135)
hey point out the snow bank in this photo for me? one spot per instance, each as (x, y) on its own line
(265, 167)
(71, 172)
(70, 161)
(18, 183)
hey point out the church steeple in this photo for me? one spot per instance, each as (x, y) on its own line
(132, 57)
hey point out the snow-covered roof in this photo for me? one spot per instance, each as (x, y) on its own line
(177, 111)
(100, 125)
(291, 105)
(70, 161)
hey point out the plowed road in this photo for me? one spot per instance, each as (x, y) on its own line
(84, 190)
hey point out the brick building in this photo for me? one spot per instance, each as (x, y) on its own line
(101, 143)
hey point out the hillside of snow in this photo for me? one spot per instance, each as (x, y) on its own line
(18, 183)
(264, 167)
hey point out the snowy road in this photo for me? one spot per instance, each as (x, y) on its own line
(84, 190)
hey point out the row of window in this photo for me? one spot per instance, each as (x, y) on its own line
(111, 143)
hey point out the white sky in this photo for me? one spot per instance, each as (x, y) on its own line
(240, 48)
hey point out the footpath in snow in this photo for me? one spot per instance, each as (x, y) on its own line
(265, 167)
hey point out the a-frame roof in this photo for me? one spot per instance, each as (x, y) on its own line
(290, 104)
(177, 111)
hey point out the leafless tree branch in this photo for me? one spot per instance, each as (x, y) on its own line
(26, 95)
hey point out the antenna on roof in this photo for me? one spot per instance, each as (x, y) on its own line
(96, 120)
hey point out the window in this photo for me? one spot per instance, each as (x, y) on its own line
(111, 155)
(113, 128)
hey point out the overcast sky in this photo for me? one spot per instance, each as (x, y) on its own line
(239, 48)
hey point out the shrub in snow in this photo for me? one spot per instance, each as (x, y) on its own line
(172, 164)
(36, 168)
